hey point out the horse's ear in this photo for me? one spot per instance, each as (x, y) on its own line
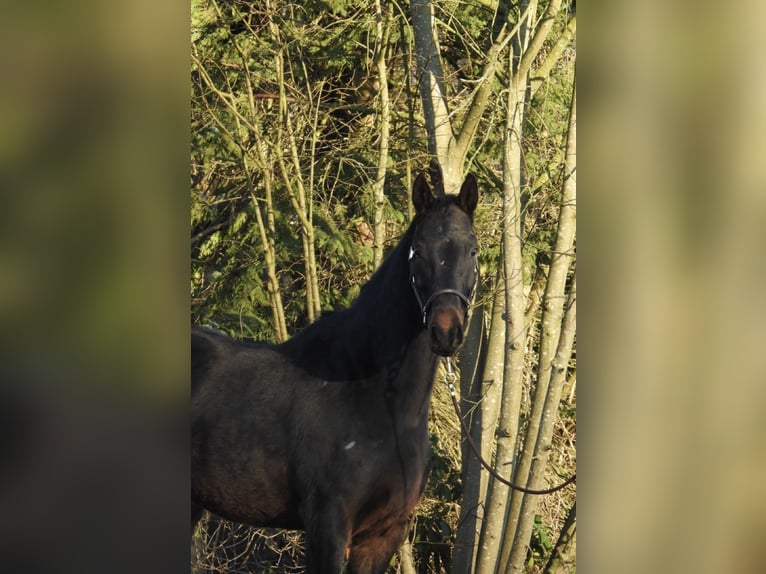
(469, 194)
(421, 194)
(437, 179)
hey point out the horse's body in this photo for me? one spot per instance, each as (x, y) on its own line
(327, 432)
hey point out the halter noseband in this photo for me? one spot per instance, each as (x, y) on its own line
(466, 299)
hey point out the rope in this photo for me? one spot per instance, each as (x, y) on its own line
(450, 377)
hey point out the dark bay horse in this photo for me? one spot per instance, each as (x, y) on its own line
(327, 432)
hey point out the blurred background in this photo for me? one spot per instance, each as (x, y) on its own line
(673, 218)
(94, 175)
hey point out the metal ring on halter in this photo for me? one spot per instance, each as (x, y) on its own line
(450, 377)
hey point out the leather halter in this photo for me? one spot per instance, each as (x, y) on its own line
(424, 306)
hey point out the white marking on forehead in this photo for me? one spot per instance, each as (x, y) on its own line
(350, 445)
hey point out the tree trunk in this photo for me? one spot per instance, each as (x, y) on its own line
(481, 406)
(406, 559)
(446, 143)
(472, 360)
(267, 233)
(379, 198)
(441, 141)
(544, 440)
(293, 181)
(563, 559)
(508, 424)
(555, 349)
(541, 74)
(514, 347)
(266, 228)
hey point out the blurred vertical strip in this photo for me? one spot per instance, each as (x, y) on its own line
(94, 259)
(673, 167)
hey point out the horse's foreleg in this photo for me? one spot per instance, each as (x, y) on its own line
(327, 537)
(372, 555)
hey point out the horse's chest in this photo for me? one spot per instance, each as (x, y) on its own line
(393, 471)
(388, 489)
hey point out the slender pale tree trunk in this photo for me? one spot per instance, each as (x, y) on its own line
(407, 61)
(556, 341)
(441, 140)
(446, 143)
(267, 233)
(312, 280)
(543, 445)
(302, 202)
(406, 558)
(563, 555)
(290, 170)
(513, 359)
(267, 227)
(481, 386)
(384, 115)
(513, 372)
(541, 74)
(472, 357)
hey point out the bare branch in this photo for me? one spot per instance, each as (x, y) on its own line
(539, 76)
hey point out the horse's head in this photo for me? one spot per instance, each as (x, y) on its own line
(442, 257)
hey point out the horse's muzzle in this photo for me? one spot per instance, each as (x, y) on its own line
(445, 330)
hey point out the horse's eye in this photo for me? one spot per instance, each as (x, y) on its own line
(474, 251)
(414, 253)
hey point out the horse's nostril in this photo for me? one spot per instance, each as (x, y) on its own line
(445, 341)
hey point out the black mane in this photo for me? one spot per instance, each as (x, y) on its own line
(341, 346)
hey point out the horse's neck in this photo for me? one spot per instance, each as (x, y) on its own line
(408, 365)
(380, 339)
(411, 387)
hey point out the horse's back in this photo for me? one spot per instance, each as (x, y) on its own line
(227, 364)
(204, 352)
(240, 408)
